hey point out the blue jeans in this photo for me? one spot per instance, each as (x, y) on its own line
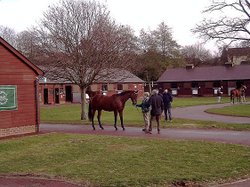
(167, 113)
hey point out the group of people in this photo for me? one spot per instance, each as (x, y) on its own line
(153, 106)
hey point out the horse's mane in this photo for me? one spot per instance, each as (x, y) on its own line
(124, 92)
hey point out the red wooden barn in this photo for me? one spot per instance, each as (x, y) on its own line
(19, 110)
(205, 81)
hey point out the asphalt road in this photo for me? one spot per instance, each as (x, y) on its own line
(197, 113)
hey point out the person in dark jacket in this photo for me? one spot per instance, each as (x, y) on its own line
(167, 100)
(157, 105)
(145, 108)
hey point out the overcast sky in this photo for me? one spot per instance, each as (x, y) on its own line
(180, 15)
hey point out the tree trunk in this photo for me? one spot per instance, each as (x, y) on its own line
(149, 83)
(83, 103)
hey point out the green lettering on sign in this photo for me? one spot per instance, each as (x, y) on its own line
(8, 98)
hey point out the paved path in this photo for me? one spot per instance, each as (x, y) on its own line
(19, 181)
(197, 112)
(227, 136)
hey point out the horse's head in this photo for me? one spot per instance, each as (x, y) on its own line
(133, 97)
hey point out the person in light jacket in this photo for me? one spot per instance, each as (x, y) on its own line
(145, 108)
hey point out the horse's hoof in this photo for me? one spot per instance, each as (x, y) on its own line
(123, 129)
(102, 128)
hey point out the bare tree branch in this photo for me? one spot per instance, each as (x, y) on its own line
(83, 41)
(231, 29)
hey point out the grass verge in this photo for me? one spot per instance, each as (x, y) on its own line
(123, 161)
(242, 110)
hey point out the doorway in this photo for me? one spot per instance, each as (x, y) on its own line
(45, 96)
(68, 90)
(57, 99)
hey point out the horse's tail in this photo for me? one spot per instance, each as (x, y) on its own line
(90, 113)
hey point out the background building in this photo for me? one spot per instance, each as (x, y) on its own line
(60, 91)
(204, 81)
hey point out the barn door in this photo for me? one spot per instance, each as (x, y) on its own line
(68, 93)
(45, 96)
(57, 98)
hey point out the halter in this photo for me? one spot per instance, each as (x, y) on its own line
(134, 99)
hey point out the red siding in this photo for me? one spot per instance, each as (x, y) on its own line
(15, 72)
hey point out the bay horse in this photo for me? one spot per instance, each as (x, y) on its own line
(115, 103)
(91, 93)
(235, 94)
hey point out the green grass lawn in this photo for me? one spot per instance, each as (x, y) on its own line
(233, 110)
(123, 161)
(193, 101)
(70, 113)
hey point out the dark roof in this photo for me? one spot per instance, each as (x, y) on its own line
(244, 51)
(37, 70)
(212, 73)
(45, 80)
(120, 76)
(115, 76)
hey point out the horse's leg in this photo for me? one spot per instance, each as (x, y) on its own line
(121, 119)
(93, 116)
(115, 116)
(232, 98)
(99, 118)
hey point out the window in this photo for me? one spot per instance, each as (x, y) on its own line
(104, 87)
(195, 85)
(174, 85)
(216, 84)
(119, 87)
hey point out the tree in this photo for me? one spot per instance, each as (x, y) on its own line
(164, 41)
(158, 51)
(8, 34)
(28, 43)
(227, 28)
(196, 54)
(159, 40)
(84, 43)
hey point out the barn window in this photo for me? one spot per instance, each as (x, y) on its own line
(216, 84)
(104, 87)
(195, 85)
(174, 85)
(119, 87)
